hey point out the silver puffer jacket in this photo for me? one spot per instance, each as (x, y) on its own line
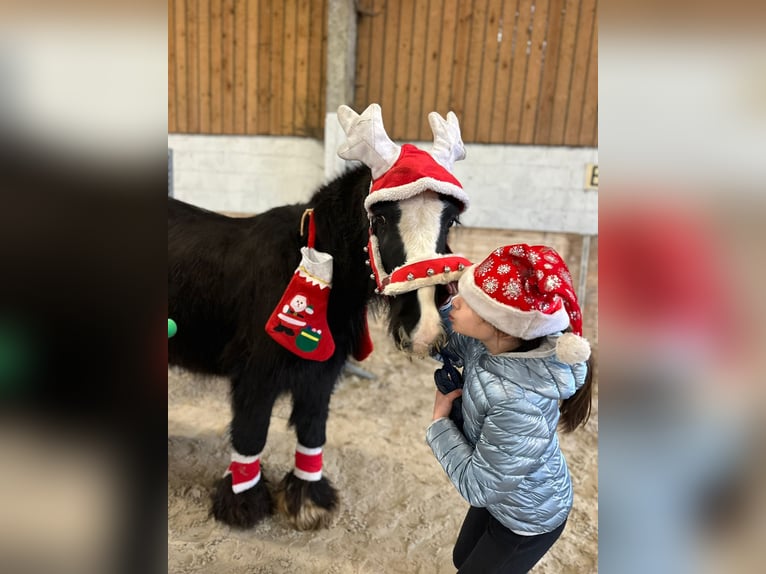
(509, 460)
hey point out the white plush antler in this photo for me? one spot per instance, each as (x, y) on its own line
(367, 140)
(448, 144)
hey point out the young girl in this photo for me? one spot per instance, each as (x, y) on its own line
(507, 323)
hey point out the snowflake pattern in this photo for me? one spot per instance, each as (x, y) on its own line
(552, 282)
(484, 268)
(512, 289)
(489, 285)
(531, 278)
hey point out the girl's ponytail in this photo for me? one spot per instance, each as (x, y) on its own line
(575, 410)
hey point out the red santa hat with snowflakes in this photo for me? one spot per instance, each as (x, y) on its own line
(527, 292)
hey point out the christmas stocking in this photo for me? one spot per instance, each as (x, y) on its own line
(299, 322)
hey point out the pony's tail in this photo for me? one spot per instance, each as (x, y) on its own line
(575, 410)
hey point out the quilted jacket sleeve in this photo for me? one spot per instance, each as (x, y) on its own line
(513, 439)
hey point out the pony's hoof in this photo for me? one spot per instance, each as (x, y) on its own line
(307, 505)
(243, 510)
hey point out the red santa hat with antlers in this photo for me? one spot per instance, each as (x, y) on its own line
(400, 172)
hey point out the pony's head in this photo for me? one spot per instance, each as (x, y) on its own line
(414, 200)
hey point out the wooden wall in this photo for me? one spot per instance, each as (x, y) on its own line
(247, 67)
(514, 71)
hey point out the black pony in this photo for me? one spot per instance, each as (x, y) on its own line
(226, 276)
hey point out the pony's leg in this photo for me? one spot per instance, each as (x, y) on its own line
(305, 497)
(244, 500)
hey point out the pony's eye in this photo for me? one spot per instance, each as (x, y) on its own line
(453, 221)
(379, 220)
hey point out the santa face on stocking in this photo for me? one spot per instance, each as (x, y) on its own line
(293, 315)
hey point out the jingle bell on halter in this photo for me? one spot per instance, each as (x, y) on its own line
(402, 172)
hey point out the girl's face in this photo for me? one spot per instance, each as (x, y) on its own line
(466, 322)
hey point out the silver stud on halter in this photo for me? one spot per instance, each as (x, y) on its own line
(447, 269)
(430, 272)
(410, 277)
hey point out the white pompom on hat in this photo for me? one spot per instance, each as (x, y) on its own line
(527, 292)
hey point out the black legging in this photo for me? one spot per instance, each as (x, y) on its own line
(484, 546)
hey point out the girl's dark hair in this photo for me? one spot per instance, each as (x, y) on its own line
(575, 410)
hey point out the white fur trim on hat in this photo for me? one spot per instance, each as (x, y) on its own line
(572, 349)
(523, 324)
(414, 188)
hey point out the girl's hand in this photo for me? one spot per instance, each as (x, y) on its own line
(443, 403)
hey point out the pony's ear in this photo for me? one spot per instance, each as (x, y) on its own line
(367, 140)
(448, 143)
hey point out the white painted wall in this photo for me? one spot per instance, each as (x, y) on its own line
(247, 174)
(511, 187)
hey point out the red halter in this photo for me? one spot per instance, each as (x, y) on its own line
(438, 270)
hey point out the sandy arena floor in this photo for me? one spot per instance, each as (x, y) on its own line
(399, 513)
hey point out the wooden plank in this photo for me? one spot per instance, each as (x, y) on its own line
(265, 46)
(401, 79)
(579, 73)
(589, 123)
(182, 95)
(430, 74)
(376, 19)
(251, 73)
(447, 40)
(227, 65)
(203, 35)
(499, 110)
(521, 49)
(389, 66)
(460, 63)
(489, 73)
(239, 43)
(315, 110)
(323, 91)
(277, 50)
(287, 126)
(301, 69)
(416, 122)
(564, 72)
(534, 73)
(216, 76)
(172, 123)
(549, 72)
(364, 28)
(476, 45)
(192, 67)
